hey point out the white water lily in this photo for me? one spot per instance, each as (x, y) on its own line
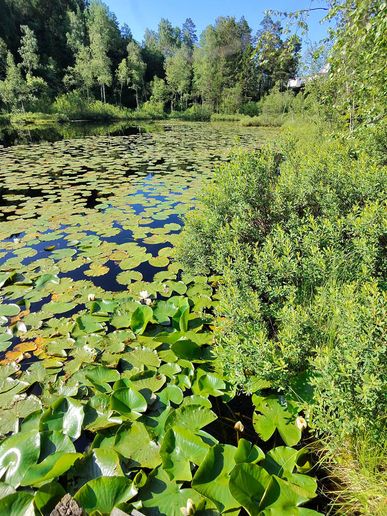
(189, 509)
(91, 297)
(301, 423)
(21, 327)
(239, 426)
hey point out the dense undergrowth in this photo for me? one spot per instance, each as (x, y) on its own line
(298, 235)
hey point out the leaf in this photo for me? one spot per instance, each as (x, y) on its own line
(48, 496)
(181, 446)
(281, 460)
(136, 444)
(208, 384)
(193, 417)
(127, 400)
(140, 319)
(161, 496)
(248, 452)
(17, 454)
(17, 504)
(9, 310)
(104, 494)
(100, 376)
(212, 477)
(282, 497)
(52, 467)
(248, 484)
(271, 415)
(64, 415)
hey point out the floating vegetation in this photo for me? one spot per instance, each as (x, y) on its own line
(110, 394)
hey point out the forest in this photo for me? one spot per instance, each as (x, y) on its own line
(193, 263)
(57, 56)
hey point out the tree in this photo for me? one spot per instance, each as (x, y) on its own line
(178, 69)
(28, 50)
(160, 91)
(13, 89)
(122, 74)
(168, 37)
(188, 33)
(278, 59)
(136, 68)
(99, 35)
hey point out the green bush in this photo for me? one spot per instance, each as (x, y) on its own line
(219, 117)
(75, 106)
(250, 109)
(297, 237)
(150, 110)
(196, 113)
(263, 121)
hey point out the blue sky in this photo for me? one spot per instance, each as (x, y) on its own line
(140, 14)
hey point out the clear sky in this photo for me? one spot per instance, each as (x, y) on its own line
(142, 14)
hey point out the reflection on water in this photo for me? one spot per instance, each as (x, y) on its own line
(11, 135)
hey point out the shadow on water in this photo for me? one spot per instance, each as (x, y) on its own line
(11, 135)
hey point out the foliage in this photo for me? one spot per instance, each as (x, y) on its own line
(127, 408)
(299, 244)
(74, 106)
(196, 113)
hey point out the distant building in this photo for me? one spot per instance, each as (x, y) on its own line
(298, 83)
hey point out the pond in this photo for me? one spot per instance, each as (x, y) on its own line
(102, 213)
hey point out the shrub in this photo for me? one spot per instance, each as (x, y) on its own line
(75, 106)
(250, 109)
(219, 117)
(150, 110)
(298, 240)
(196, 113)
(263, 121)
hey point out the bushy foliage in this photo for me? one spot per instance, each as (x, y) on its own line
(196, 113)
(74, 105)
(298, 238)
(250, 109)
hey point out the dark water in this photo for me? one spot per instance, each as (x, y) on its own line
(11, 135)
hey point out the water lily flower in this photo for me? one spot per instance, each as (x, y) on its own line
(144, 294)
(91, 297)
(239, 426)
(301, 423)
(21, 327)
(189, 509)
(148, 301)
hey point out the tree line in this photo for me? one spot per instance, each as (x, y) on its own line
(50, 48)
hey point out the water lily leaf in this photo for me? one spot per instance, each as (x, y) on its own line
(248, 484)
(213, 475)
(48, 496)
(17, 504)
(271, 415)
(87, 324)
(58, 308)
(193, 417)
(248, 452)
(127, 401)
(52, 442)
(9, 310)
(162, 496)
(172, 393)
(65, 415)
(208, 384)
(180, 446)
(148, 380)
(282, 495)
(52, 467)
(140, 319)
(103, 494)
(187, 350)
(136, 444)
(281, 461)
(46, 279)
(17, 454)
(101, 376)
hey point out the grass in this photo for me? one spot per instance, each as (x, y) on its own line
(358, 473)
